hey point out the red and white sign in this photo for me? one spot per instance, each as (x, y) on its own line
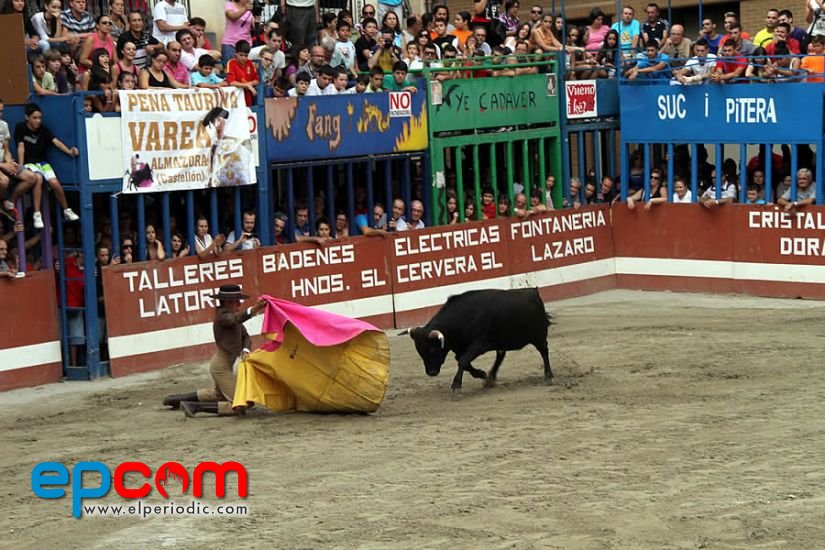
(581, 99)
(400, 104)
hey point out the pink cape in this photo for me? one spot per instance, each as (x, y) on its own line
(318, 327)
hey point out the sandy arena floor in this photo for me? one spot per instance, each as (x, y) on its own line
(676, 421)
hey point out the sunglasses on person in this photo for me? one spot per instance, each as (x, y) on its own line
(537, 12)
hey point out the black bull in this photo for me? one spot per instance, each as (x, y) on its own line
(478, 321)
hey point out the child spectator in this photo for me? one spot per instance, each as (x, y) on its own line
(397, 81)
(42, 80)
(322, 229)
(376, 81)
(74, 302)
(280, 87)
(205, 77)
(488, 207)
(241, 73)
(99, 78)
(54, 65)
(503, 206)
(344, 54)
(33, 140)
(452, 208)
(301, 85)
(362, 83)
(470, 208)
(71, 70)
(753, 196)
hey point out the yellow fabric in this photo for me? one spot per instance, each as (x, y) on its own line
(299, 376)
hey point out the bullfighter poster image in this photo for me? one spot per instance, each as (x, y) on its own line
(174, 140)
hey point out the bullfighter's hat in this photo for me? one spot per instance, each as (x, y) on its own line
(230, 292)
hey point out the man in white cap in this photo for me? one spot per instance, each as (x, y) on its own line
(232, 341)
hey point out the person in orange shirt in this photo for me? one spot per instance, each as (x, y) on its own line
(814, 64)
(241, 72)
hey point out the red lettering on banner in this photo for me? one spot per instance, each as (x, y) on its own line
(581, 99)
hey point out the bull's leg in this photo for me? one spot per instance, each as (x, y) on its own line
(545, 356)
(465, 362)
(476, 373)
(491, 378)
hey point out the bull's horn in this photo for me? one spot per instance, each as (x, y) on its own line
(439, 335)
(403, 332)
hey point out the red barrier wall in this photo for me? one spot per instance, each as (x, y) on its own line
(30, 352)
(165, 312)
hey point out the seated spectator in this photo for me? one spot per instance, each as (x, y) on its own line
(752, 196)
(77, 23)
(155, 76)
(49, 28)
(190, 52)
(413, 56)
(125, 81)
(302, 81)
(361, 84)
(397, 81)
(174, 66)
(198, 27)
(42, 80)
(783, 68)
(322, 83)
(743, 45)
(205, 76)
(340, 81)
(805, 192)
(681, 193)
(145, 43)
(781, 34)
(590, 191)
(376, 81)
(520, 208)
(300, 57)
(651, 64)
(33, 139)
(99, 79)
(100, 39)
(398, 211)
(522, 50)
(415, 221)
(241, 73)
(699, 67)
(180, 249)
(205, 245)
(657, 194)
(120, 23)
(272, 50)
(249, 239)
(814, 64)
(126, 64)
(756, 66)
(677, 47)
(154, 248)
(731, 67)
(281, 86)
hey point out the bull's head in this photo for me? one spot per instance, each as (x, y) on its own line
(432, 348)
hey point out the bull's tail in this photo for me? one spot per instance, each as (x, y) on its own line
(550, 317)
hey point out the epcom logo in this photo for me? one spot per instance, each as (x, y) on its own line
(48, 480)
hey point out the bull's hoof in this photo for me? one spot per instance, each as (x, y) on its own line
(548, 380)
(490, 382)
(455, 389)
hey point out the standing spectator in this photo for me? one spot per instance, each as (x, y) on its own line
(279, 220)
(33, 140)
(205, 245)
(470, 209)
(77, 23)
(179, 247)
(595, 31)
(805, 192)
(387, 6)
(814, 64)
(301, 221)
(241, 73)
(709, 33)
(365, 44)
(344, 54)
(190, 53)
(7, 270)
(510, 18)
(657, 194)
(398, 209)
(145, 43)
(488, 207)
(655, 26)
(629, 31)
(272, 58)
(730, 19)
(765, 35)
(378, 226)
(198, 27)
(798, 34)
(681, 194)
(249, 239)
(154, 248)
(117, 12)
(743, 45)
(302, 21)
(415, 221)
(76, 325)
(239, 21)
(341, 225)
(169, 17)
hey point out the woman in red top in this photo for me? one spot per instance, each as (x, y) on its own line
(102, 38)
